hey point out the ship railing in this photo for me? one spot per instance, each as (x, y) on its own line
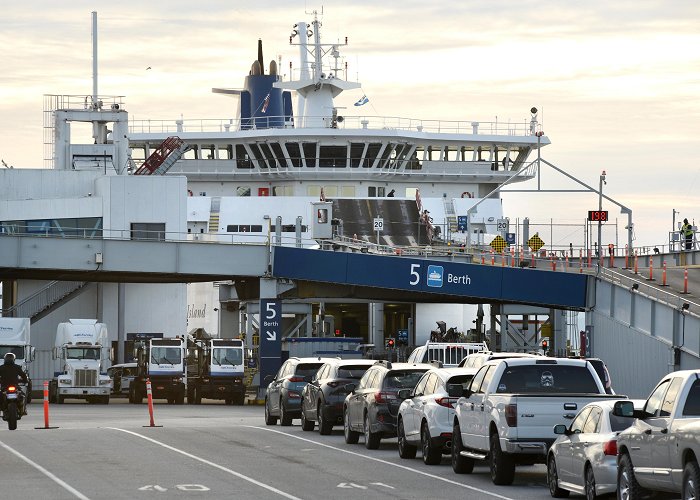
(223, 125)
(53, 102)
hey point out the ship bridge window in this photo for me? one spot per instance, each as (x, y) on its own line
(466, 153)
(376, 191)
(372, 152)
(434, 153)
(400, 154)
(267, 153)
(244, 228)
(310, 154)
(294, 153)
(242, 157)
(192, 153)
(415, 161)
(257, 154)
(386, 154)
(225, 152)
(282, 191)
(278, 154)
(208, 151)
(347, 191)
(243, 191)
(333, 156)
(330, 191)
(356, 151)
(451, 153)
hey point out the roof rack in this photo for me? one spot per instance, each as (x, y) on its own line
(384, 363)
(436, 363)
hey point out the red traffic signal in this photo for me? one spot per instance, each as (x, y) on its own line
(337, 332)
(545, 344)
(389, 342)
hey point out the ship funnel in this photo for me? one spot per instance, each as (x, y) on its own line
(273, 67)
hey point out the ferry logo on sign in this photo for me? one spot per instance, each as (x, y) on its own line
(435, 276)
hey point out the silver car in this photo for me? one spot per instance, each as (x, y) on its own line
(583, 459)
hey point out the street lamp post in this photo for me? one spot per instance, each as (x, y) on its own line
(600, 211)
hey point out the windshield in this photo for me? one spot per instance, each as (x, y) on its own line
(17, 350)
(352, 371)
(228, 356)
(165, 355)
(403, 379)
(82, 352)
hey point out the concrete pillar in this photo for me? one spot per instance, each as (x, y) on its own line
(376, 325)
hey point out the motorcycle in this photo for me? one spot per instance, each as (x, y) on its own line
(12, 405)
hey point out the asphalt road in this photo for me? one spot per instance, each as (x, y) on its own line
(215, 451)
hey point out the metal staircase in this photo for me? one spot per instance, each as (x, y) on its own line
(450, 217)
(45, 300)
(214, 214)
(164, 157)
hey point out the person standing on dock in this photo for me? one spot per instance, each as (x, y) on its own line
(687, 231)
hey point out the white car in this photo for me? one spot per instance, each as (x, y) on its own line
(583, 459)
(122, 375)
(426, 414)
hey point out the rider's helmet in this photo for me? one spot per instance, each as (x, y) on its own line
(9, 358)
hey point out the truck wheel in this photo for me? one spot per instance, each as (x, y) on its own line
(351, 437)
(60, 398)
(460, 464)
(627, 486)
(180, 399)
(553, 479)
(105, 400)
(431, 456)
(269, 419)
(691, 481)
(190, 397)
(197, 396)
(501, 464)
(406, 450)
(239, 399)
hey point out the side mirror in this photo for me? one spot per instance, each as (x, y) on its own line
(350, 388)
(404, 393)
(54, 353)
(32, 353)
(560, 429)
(623, 409)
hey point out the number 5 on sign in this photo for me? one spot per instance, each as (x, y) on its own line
(415, 277)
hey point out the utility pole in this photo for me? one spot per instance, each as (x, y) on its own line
(600, 222)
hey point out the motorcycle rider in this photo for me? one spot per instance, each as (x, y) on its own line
(10, 374)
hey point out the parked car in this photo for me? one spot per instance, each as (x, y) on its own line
(372, 406)
(583, 459)
(122, 374)
(477, 359)
(322, 399)
(283, 398)
(426, 414)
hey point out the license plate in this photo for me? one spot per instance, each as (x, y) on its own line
(222, 389)
(160, 387)
(12, 396)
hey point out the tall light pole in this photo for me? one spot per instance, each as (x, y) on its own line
(600, 211)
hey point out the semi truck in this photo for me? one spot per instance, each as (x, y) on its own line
(215, 370)
(162, 361)
(15, 338)
(82, 348)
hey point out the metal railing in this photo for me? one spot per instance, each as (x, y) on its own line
(42, 299)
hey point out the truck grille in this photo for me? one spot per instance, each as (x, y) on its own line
(86, 378)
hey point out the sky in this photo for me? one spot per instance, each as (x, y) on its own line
(617, 83)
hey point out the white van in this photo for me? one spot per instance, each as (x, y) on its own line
(447, 353)
(121, 375)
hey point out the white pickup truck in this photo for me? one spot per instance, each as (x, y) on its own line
(660, 451)
(508, 412)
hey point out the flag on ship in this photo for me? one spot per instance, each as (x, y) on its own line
(323, 196)
(362, 101)
(266, 103)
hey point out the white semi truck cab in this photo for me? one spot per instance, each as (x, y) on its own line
(15, 338)
(162, 362)
(82, 348)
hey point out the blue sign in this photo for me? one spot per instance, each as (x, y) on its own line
(402, 335)
(461, 222)
(510, 238)
(435, 276)
(270, 337)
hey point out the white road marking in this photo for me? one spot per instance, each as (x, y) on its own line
(415, 471)
(212, 464)
(48, 474)
(152, 487)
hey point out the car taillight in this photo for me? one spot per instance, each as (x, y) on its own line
(512, 415)
(11, 388)
(384, 397)
(610, 448)
(293, 395)
(446, 402)
(296, 379)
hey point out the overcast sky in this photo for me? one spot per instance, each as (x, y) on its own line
(617, 83)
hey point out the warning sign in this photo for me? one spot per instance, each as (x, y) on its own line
(498, 244)
(535, 242)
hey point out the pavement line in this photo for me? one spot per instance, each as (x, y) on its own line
(212, 464)
(48, 474)
(416, 471)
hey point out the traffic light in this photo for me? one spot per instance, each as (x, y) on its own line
(545, 344)
(337, 332)
(389, 343)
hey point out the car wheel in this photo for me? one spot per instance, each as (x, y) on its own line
(306, 425)
(553, 479)
(351, 437)
(691, 481)
(589, 484)
(269, 419)
(627, 486)
(406, 450)
(460, 464)
(372, 439)
(285, 417)
(431, 456)
(325, 426)
(501, 464)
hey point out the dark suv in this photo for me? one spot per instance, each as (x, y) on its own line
(283, 398)
(322, 398)
(372, 406)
